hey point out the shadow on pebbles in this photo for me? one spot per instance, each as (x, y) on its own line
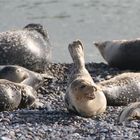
(52, 121)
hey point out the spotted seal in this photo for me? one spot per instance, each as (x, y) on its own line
(123, 54)
(14, 95)
(28, 47)
(83, 96)
(22, 75)
(121, 89)
(130, 112)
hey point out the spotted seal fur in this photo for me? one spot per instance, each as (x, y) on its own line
(28, 47)
(83, 96)
(14, 95)
(123, 54)
(132, 111)
(121, 89)
(22, 75)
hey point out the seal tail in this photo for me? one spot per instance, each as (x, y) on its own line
(77, 53)
(130, 112)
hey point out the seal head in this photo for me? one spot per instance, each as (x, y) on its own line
(123, 54)
(39, 28)
(22, 75)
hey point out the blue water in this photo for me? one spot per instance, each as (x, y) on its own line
(67, 20)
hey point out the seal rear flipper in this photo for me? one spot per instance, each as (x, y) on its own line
(130, 112)
(76, 51)
(47, 76)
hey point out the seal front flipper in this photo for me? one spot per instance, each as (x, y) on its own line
(130, 112)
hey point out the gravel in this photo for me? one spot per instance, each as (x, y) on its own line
(53, 121)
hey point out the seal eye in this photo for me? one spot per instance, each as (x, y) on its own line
(94, 88)
(18, 71)
(82, 87)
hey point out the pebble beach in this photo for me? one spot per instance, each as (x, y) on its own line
(54, 122)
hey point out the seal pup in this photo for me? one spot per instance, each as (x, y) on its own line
(121, 89)
(14, 95)
(28, 47)
(22, 75)
(123, 54)
(83, 96)
(130, 112)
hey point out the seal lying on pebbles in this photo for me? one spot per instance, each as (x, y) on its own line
(29, 47)
(22, 75)
(130, 112)
(124, 54)
(83, 96)
(121, 89)
(14, 95)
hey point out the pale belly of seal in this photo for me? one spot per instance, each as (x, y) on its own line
(122, 89)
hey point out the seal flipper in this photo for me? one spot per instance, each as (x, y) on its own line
(28, 96)
(130, 112)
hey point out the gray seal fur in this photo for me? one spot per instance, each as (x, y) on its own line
(123, 54)
(122, 89)
(132, 111)
(28, 47)
(22, 75)
(14, 95)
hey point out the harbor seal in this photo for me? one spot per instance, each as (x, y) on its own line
(22, 75)
(14, 95)
(28, 47)
(130, 112)
(83, 96)
(123, 54)
(121, 89)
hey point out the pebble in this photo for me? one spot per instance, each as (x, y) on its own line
(54, 122)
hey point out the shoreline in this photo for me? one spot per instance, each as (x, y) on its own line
(53, 121)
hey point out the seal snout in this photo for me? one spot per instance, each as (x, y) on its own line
(89, 92)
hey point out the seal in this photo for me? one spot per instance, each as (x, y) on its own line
(83, 96)
(22, 75)
(130, 112)
(123, 54)
(28, 47)
(121, 89)
(14, 95)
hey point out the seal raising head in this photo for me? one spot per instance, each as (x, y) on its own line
(83, 96)
(123, 54)
(28, 47)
